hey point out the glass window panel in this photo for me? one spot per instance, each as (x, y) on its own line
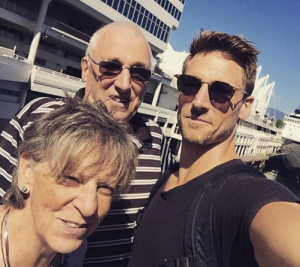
(128, 1)
(146, 13)
(166, 5)
(176, 13)
(126, 10)
(148, 25)
(109, 2)
(163, 2)
(135, 16)
(179, 15)
(162, 35)
(150, 15)
(133, 3)
(138, 6)
(159, 32)
(144, 22)
(121, 6)
(152, 27)
(131, 10)
(115, 4)
(155, 30)
(170, 8)
(173, 10)
(141, 16)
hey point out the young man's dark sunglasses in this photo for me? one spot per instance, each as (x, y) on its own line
(111, 68)
(219, 92)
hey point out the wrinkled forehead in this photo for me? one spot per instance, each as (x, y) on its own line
(129, 48)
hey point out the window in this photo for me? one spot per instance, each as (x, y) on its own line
(148, 24)
(159, 33)
(135, 17)
(141, 16)
(115, 4)
(152, 27)
(126, 10)
(131, 10)
(121, 6)
(144, 22)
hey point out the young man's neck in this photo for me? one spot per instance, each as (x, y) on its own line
(198, 159)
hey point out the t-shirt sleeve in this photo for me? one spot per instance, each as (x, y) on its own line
(235, 207)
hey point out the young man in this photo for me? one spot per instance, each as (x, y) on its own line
(244, 219)
(116, 68)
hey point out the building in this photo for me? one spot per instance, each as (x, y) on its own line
(42, 42)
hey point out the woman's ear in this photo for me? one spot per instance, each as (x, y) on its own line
(25, 173)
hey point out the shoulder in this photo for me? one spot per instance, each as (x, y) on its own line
(146, 129)
(151, 124)
(40, 105)
(244, 195)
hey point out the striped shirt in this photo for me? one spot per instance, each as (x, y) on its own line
(110, 244)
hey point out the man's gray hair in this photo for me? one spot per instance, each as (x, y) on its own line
(122, 25)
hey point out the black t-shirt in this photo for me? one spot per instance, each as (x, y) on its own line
(159, 237)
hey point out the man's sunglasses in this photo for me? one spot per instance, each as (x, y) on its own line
(111, 68)
(219, 92)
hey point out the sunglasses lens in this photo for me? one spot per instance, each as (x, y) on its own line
(188, 85)
(220, 92)
(110, 68)
(140, 74)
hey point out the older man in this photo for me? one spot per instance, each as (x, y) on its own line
(212, 209)
(116, 68)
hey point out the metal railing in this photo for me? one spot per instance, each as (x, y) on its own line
(20, 11)
(11, 53)
(55, 73)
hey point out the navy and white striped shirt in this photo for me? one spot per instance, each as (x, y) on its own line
(110, 244)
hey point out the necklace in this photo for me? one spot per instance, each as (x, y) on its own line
(4, 235)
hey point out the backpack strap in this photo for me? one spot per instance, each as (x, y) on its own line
(198, 237)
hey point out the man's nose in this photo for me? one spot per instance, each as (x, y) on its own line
(202, 99)
(123, 81)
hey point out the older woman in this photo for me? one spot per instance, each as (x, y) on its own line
(72, 162)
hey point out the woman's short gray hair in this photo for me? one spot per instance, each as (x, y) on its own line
(64, 136)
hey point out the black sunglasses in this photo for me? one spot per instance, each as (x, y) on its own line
(111, 68)
(219, 92)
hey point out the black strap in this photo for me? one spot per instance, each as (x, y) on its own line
(198, 240)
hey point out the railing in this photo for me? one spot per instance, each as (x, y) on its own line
(20, 11)
(55, 73)
(10, 53)
(66, 28)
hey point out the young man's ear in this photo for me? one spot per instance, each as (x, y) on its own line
(84, 68)
(246, 108)
(25, 171)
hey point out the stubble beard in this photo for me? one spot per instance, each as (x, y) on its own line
(197, 136)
